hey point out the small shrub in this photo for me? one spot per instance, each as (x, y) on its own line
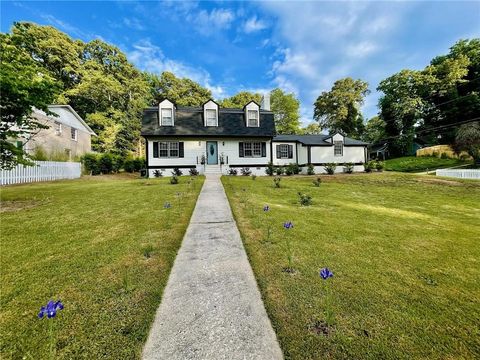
(254, 177)
(91, 163)
(174, 180)
(348, 168)
(310, 169)
(330, 168)
(317, 182)
(270, 169)
(369, 166)
(106, 163)
(246, 171)
(276, 181)
(379, 165)
(232, 171)
(279, 170)
(128, 165)
(294, 168)
(193, 172)
(305, 199)
(288, 170)
(158, 173)
(444, 155)
(177, 172)
(138, 164)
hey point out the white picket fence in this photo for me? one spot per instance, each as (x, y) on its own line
(459, 173)
(41, 171)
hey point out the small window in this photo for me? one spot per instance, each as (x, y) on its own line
(247, 149)
(284, 151)
(211, 117)
(252, 149)
(58, 128)
(338, 148)
(74, 134)
(253, 118)
(167, 117)
(257, 149)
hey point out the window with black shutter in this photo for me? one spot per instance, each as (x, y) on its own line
(240, 150)
(284, 151)
(181, 151)
(155, 149)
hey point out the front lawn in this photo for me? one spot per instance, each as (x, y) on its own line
(104, 246)
(405, 255)
(421, 163)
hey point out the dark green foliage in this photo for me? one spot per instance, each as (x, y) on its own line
(317, 182)
(174, 180)
(288, 170)
(270, 169)
(293, 168)
(91, 164)
(305, 199)
(369, 166)
(193, 172)
(232, 171)
(348, 167)
(330, 168)
(310, 169)
(379, 165)
(177, 172)
(246, 171)
(254, 177)
(279, 170)
(158, 173)
(444, 155)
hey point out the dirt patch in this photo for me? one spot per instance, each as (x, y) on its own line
(440, 182)
(320, 327)
(17, 205)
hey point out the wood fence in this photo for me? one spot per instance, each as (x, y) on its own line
(41, 171)
(460, 173)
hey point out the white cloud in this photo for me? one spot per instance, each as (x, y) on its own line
(150, 57)
(253, 25)
(72, 30)
(209, 22)
(133, 23)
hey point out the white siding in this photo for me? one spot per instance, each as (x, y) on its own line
(324, 154)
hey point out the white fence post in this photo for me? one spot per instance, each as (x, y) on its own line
(460, 173)
(41, 171)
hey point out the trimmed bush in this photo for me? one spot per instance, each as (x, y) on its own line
(193, 172)
(174, 180)
(330, 168)
(305, 199)
(310, 169)
(232, 171)
(177, 172)
(288, 170)
(369, 166)
(379, 165)
(279, 170)
(91, 164)
(270, 169)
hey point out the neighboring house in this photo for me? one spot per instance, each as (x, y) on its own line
(214, 139)
(67, 133)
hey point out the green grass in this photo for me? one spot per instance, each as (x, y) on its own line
(404, 250)
(104, 246)
(421, 163)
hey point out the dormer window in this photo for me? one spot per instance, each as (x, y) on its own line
(211, 115)
(252, 114)
(166, 113)
(167, 117)
(252, 118)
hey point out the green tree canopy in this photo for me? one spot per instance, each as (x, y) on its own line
(338, 110)
(23, 86)
(240, 100)
(285, 108)
(468, 139)
(312, 129)
(374, 130)
(182, 91)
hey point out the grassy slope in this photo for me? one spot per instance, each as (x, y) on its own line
(419, 164)
(84, 242)
(406, 258)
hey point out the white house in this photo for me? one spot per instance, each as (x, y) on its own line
(214, 140)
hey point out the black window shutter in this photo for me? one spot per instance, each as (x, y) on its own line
(240, 149)
(290, 151)
(278, 152)
(264, 149)
(180, 149)
(155, 149)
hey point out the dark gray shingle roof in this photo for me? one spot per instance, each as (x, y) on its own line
(316, 140)
(189, 122)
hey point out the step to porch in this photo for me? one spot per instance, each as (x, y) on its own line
(213, 169)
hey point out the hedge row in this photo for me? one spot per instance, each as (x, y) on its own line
(108, 163)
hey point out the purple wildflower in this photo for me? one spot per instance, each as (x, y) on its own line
(266, 208)
(167, 205)
(50, 310)
(325, 273)
(288, 225)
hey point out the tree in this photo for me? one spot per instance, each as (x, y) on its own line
(338, 110)
(285, 108)
(374, 130)
(312, 129)
(468, 140)
(181, 91)
(239, 100)
(24, 85)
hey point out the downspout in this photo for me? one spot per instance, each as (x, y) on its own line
(146, 156)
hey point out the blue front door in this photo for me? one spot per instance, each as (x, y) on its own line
(212, 156)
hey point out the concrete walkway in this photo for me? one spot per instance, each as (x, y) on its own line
(211, 307)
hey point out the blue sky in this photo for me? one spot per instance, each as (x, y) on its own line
(302, 47)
